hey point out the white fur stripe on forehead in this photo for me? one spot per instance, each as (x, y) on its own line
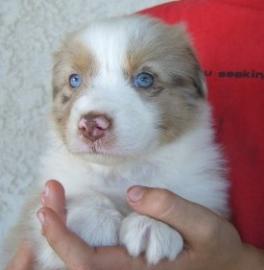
(109, 40)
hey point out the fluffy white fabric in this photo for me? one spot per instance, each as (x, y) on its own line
(29, 32)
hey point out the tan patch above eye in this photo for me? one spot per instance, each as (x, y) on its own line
(73, 57)
(82, 59)
(133, 61)
(76, 56)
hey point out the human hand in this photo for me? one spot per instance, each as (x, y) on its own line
(211, 242)
(24, 257)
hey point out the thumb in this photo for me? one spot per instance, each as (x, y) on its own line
(53, 197)
(73, 251)
(195, 222)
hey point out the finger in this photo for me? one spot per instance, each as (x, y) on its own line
(193, 221)
(112, 258)
(53, 197)
(23, 259)
(73, 251)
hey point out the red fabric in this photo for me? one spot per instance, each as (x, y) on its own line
(229, 38)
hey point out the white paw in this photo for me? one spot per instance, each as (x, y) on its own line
(95, 220)
(143, 234)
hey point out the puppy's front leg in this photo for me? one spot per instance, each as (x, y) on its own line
(94, 218)
(141, 233)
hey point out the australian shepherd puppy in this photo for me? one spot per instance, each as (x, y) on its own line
(129, 108)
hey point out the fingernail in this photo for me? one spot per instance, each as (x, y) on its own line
(135, 194)
(41, 217)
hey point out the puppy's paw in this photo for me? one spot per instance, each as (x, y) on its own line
(95, 219)
(140, 233)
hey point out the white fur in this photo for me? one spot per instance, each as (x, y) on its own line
(189, 167)
(96, 184)
(140, 233)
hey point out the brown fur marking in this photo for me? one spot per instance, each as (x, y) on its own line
(73, 57)
(166, 52)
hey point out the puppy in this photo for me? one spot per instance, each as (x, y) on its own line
(129, 108)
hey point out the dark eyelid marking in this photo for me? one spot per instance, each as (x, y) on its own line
(65, 99)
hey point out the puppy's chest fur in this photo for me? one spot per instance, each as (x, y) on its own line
(79, 177)
(188, 168)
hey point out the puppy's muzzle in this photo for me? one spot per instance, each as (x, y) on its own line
(94, 126)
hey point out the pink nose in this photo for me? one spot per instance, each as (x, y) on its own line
(94, 126)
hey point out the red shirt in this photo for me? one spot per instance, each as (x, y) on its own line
(229, 38)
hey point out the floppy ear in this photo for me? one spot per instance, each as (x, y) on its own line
(200, 84)
(197, 74)
(60, 60)
(191, 68)
(56, 60)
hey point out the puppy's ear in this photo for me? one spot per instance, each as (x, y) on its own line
(55, 88)
(190, 68)
(60, 60)
(60, 70)
(196, 73)
(199, 83)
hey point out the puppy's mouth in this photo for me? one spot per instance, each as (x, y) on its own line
(92, 147)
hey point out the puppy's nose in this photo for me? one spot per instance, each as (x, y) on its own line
(94, 126)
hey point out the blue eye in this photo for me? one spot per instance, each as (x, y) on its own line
(143, 80)
(75, 80)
